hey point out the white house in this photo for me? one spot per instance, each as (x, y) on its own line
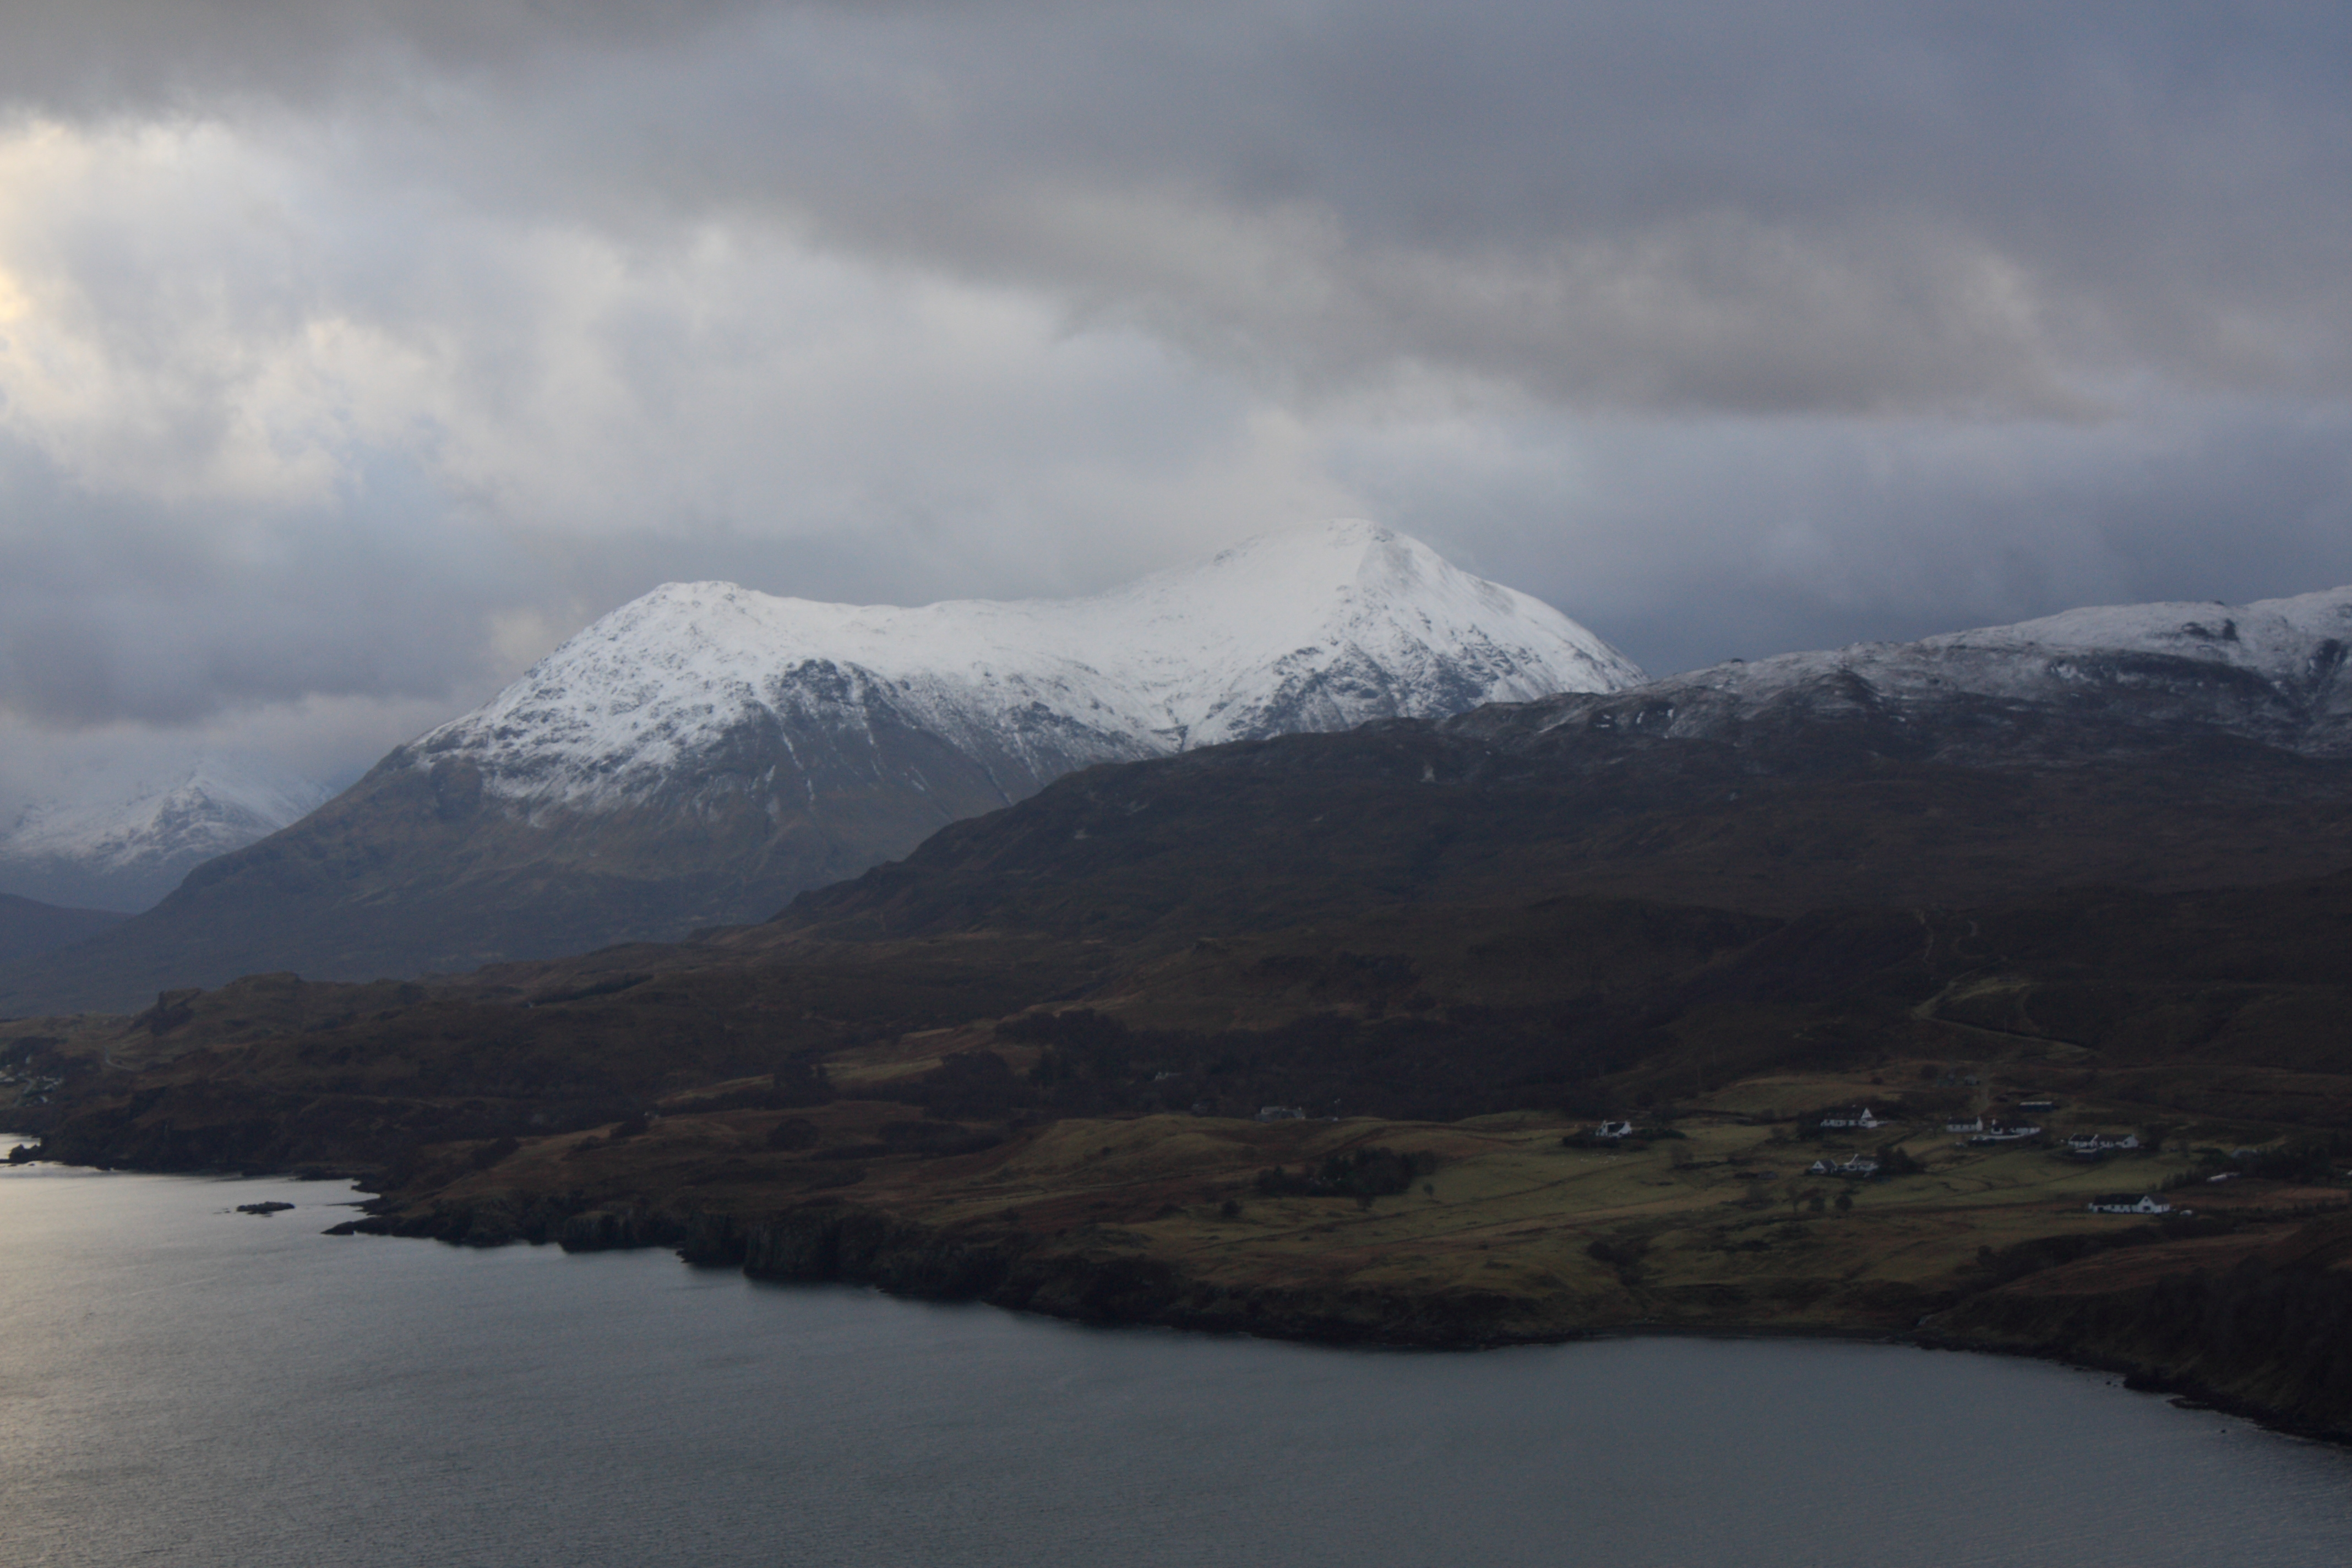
(1975, 1126)
(1613, 1130)
(2129, 1203)
(1849, 1116)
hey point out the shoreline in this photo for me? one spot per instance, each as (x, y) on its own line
(1105, 1273)
(1105, 1293)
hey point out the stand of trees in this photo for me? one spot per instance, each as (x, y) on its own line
(1363, 1173)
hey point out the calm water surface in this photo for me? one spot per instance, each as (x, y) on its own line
(182, 1384)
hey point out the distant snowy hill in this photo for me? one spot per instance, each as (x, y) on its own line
(2079, 685)
(704, 753)
(124, 849)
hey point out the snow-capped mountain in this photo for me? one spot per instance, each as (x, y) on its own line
(124, 848)
(701, 754)
(704, 753)
(710, 686)
(2075, 684)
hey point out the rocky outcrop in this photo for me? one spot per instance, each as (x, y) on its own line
(1088, 1282)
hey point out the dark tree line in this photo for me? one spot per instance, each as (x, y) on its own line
(1365, 1173)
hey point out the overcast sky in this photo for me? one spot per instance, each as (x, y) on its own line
(354, 354)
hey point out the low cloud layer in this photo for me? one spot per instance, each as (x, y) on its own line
(351, 355)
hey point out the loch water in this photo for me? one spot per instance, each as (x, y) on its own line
(183, 1384)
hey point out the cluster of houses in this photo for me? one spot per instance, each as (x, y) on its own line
(1856, 1167)
(32, 1088)
(1854, 1116)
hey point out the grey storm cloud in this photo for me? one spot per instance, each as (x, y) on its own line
(356, 351)
(1823, 206)
(1744, 538)
(113, 608)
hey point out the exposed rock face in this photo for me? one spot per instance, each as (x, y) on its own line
(703, 753)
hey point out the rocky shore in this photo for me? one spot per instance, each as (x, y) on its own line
(2249, 1330)
(839, 1243)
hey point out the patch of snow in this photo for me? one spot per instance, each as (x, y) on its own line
(2273, 637)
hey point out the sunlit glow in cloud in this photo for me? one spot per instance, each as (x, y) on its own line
(501, 405)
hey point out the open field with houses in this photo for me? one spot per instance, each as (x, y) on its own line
(1501, 1230)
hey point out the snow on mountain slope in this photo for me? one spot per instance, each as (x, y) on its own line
(2283, 640)
(124, 848)
(2274, 671)
(1320, 629)
(2288, 646)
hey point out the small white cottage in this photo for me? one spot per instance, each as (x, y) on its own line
(2130, 1203)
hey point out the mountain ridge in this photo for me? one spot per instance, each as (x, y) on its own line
(698, 757)
(1972, 767)
(2274, 671)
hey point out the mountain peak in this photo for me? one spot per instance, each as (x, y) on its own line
(1318, 628)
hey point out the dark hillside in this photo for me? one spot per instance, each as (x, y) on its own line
(2181, 1004)
(1280, 832)
(28, 928)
